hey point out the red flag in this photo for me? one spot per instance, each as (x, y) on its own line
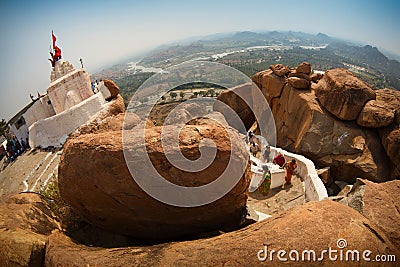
(54, 39)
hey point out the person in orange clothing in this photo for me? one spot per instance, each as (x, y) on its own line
(290, 167)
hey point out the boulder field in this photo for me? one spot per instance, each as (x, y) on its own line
(95, 181)
(338, 121)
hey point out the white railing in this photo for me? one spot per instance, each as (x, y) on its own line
(313, 186)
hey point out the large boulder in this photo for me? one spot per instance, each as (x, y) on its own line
(313, 226)
(298, 83)
(25, 222)
(231, 98)
(95, 180)
(380, 112)
(304, 67)
(302, 75)
(280, 70)
(109, 119)
(112, 87)
(304, 126)
(343, 94)
(380, 203)
(390, 136)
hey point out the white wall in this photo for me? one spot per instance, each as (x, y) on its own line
(54, 131)
(38, 111)
(313, 186)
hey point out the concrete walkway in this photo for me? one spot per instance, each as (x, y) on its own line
(29, 172)
(278, 199)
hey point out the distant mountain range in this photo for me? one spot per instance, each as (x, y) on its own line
(255, 51)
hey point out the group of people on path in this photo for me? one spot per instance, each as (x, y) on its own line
(279, 159)
(14, 148)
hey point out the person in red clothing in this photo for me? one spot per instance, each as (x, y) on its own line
(280, 160)
(56, 55)
(290, 167)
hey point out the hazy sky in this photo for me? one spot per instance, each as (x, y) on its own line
(105, 32)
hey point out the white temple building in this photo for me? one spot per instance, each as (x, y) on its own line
(73, 103)
(68, 103)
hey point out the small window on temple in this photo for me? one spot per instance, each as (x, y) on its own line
(19, 123)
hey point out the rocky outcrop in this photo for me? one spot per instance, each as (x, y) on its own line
(312, 226)
(271, 84)
(380, 203)
(343, 94)
(390, 136)
(280, 70)
(384, 114)
(315, 77)
(304, 126)
(231, 98)
(109, 124)
(304, 67)
(25, 223)
(298, 83)
(268, 79)
(101, 190)
(380, 112)
(113, 88)
(109, 119)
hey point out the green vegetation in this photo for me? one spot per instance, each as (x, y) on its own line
(70, 221)
(129, 84)
(173, 95)
(197, 85)
(52, 195)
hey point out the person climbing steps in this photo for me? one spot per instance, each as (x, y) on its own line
(266, 184)
(290, 167)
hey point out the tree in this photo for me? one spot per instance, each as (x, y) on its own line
(3, 128)
(182, 94)
(211, 92)
(163, 99)
(173, 95)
